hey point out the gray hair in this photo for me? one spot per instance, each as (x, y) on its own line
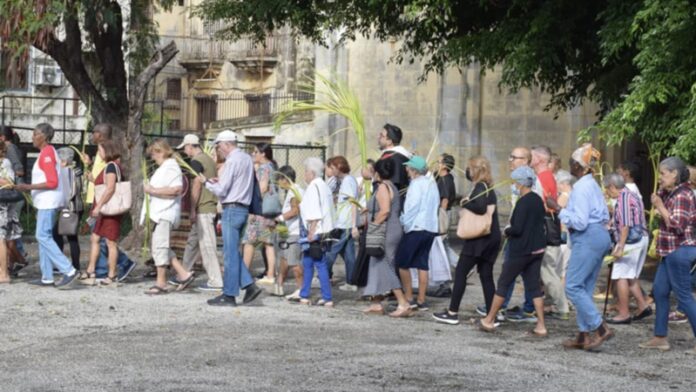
(544, 151)
(66, 154)
(675, 163)
(421, 172)
(616, 180)
(315, 165)
(564, 177)
(46, 129)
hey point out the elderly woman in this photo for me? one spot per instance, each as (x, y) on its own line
(72, 178)
(46, 191)
(586, 217)
(565, 185)
(164, 188)
(631, 238)
(420, 222)
(107, 227)
(316, 222)
(526, 241)
(676, 243)
(478, 252)
(383, 209)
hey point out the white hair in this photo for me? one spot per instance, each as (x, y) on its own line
(564, 177)
(66, 155)
(315, 165)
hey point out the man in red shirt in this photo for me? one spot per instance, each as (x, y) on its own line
(546, 188)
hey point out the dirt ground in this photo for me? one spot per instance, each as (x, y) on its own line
(118, 339)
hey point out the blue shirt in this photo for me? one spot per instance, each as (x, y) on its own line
(420, 209)
(586, 205)
(236, 181)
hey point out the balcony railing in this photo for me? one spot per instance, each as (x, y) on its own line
(200, 48)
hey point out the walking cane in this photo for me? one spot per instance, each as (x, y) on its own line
(606, 295)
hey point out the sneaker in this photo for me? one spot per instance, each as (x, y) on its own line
(348, 287)
(559, 315)
(446, 317)
(413, 304)
(222, 300)
(677, 317)
(205, 287)
(40, 282)
(653, 344)
(173, 280)
(278, 290)
(251, 293)
(67, 281)
(419, 306)
(123, 273)
(295, 295)
(266, 281)
(521, 317)
(481, 310)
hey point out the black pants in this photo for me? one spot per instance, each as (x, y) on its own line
(73, 240)
(485, 270)
(529, 266)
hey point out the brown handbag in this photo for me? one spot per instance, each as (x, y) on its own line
(473, 225)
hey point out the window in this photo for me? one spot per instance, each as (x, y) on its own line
(173, 88)
(181, 3)
(12, 76)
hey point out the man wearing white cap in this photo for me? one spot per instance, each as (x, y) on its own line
(201, 240)
(234, 188)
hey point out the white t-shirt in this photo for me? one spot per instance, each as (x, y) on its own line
(634, 188)
(6, 170)
(293, 223)
(166, 176)
(344, 207)
(317, 204)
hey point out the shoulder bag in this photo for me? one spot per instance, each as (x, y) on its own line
(473, 225)
(121, 201)
(68, 220)
(376, 235)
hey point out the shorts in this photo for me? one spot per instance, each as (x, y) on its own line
(10, 229)
(162, 254)
(631, 265)
(258, 231)
(293, 253)
(414, 250)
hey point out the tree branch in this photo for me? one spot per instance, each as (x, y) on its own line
(139, 88)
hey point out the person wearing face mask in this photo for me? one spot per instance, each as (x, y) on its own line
(527, 241)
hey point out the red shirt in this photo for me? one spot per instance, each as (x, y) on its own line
(548, 185)
(47, 164)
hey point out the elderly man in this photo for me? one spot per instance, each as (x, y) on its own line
(631, 238)
(101, 133)
(201, 240)
(548, 190)
(420, 222)
(235, 189)
(316, 222)
(47, 193)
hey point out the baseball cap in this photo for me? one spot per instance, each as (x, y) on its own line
(524, 175)
(416, 162)
(189, 139)
(226, 136)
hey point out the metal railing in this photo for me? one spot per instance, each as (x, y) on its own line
(204, 48)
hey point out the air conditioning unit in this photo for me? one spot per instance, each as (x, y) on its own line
(49, 75)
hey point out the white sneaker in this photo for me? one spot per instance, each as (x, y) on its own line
(295, 295)
(278, 290)
(315, 283)
(266, 281)
(348, 287)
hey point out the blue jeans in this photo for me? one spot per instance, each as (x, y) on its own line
(589, 248)
(528, 300)
(345, 246)
(236, 274)
(102, 269)
(49, 254)
(308, 264)
(673, 275)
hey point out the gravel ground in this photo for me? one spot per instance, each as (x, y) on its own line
(118, 339)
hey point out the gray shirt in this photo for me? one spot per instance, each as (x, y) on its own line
(15, 157)
(236, 182)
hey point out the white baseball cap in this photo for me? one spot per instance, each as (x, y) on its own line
(189, 139)
(226, 136)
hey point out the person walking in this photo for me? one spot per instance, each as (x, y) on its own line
(73, 202)
(586, 217)
(47, 194)
(676, 244)
(202, 242)
(10, 229)
(164, 188)
(389, 142)
(290, 250)
(478, 252)
(527, 238)
(234, 187)
(16, 157)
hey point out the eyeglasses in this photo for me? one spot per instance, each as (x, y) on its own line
(513, 157)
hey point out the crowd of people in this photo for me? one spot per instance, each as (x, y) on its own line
(390, 226)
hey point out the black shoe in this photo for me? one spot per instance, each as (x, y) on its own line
(647, 312)
(222, 300)
(252, 292)
(614, 321)
(39, 282)
(446, 317)
(67, 281)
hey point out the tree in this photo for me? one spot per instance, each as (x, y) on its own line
(109, 73)
(633, 58)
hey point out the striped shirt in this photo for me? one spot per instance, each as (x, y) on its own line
(679, 229)
(629, 211)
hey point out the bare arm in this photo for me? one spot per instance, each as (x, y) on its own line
(384, 202)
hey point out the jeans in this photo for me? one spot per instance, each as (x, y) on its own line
(236, 274)
(308, 264)
(673, 275)
(49, 254)
(528, 299)
(589, 248)
(345, 246)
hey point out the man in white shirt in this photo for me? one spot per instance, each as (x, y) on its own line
(290, 250)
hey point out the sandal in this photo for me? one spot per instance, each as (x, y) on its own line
(109, 281)
(482, 327)
(532, 333)
(87, 278)
(305, 301)
(373, 310)
(401, 312)
(186, 282)
(156, 290)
